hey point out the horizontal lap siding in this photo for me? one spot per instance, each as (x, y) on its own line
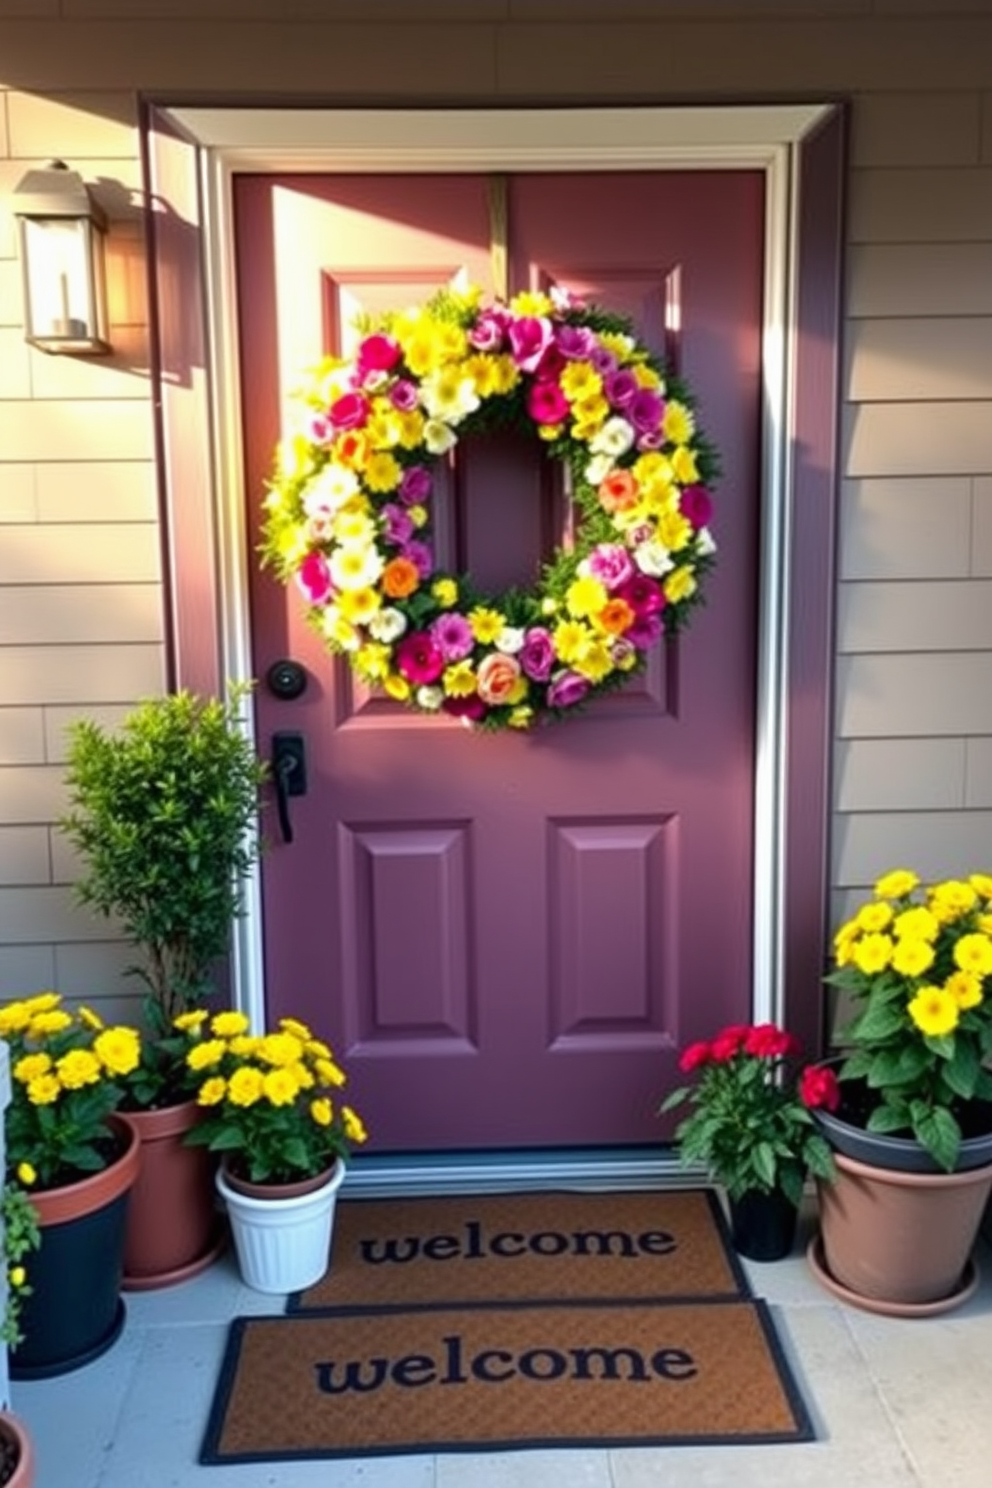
(81, 627)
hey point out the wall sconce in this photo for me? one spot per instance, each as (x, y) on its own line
(62, 230)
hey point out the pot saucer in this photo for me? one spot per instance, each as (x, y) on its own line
(966, 1289)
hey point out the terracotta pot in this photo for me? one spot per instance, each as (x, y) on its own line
(17, 1449)
(174, 1229)
(75, 1312)
(282, 1232)
(763, 1225)
(899, 1241)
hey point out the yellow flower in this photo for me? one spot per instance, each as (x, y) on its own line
(90, 1019)
(586, 596)
(675, 531)
(353, 1127)
(42, 1002)
(521, 718)
(594, 661)
(459, 680)
(42, 1024)
(873, 917)
(212, 1091)
(14, 1018)
(118, 1049)
(580, 382)
(915, 924)
(531, 302)
(317, 1049)
(912, 957)
(296, 1028)
(383, 473)
(245, 1086)
(244, 1045)
(973, 953)
(186, 1022)
(280, 1087)
(934, 1011)
(982, 884)
(26, 1174)
(684, 466)
(952, 899)
(965, 989)
(328, 1073)
(206, 1055)
(679, 585)
(44, 1091)
(322, 1111)
(486, 624)
(359, 605)
(229, 1024)
(570, 640)
(678, 424)
(397, 687)
(872, 954)
(281, 1049)
(445, 591)
(897, 884)
(78, 1068)
(31, 1066)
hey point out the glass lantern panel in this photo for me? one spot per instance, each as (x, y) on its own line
(58, 278)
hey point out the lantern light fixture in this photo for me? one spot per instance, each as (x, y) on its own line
(62, 233)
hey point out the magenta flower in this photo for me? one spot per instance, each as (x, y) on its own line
(694, 1057)
(645, 631)
(320, 430)
(530, 337)
(611, 565)
(350, 411)
(314, 578)
(488, 331)
(621, 388)
(472, 708)
(575, 343)
(697, 505)
(416, 484)
(546, 403)
(537, 654)
(567, 689)
(397, 525)
(643, 594)
(646, 411)
(403, 395)
(419, 659)
(420, 555)
(453, 636)
(603, 360)
(377, 353)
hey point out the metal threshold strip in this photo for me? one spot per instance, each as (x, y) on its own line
(516, 1171)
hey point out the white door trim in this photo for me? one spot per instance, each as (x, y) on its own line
(233, 140)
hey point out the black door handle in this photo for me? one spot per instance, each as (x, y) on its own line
(289, 771)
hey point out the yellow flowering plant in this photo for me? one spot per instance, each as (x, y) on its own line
(916, 962)
(271, 1102)
(67, 1072)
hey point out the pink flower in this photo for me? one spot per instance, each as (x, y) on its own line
(610, 563)
(537, 655)
(567, 689)
(421, 556)
(472, 708)
(645, 411)
(397, 526)
(645, 631)
(819, 1087)
(546, 403)
(419, 658)
(415, 486)
(694, 1057)
(320, 430)
(350, 411)
(453, 636)
(530, 337)
(314, 578)
(576, 343)
(643, 594)
(378, 353)
(621, 388)
(488, 331)
(697, 505)
(403, 395)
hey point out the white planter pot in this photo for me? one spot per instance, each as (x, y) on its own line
(282, 1244)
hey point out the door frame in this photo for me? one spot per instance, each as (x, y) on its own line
(191, 155)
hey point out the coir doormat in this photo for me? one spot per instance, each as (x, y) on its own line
(503, 1322)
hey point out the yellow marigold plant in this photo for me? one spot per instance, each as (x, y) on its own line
(272, 1101)
(67, 1075)
(916, 961)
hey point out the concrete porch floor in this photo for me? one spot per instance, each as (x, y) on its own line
(896, 1404)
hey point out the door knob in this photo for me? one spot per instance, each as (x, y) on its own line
(286, 679)
(289, 772)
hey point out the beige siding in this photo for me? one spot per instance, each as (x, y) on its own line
(81, 616)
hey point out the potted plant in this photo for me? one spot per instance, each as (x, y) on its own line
(912, 1124)
(78, 1159)
(751, 1127)
(272, 1112)
(21, 1236)
(16, 1452)
(163, 813)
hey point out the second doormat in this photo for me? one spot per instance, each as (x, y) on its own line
(497, 1322)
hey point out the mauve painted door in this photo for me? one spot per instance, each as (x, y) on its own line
(508, 937)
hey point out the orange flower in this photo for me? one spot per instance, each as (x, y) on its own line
(618, 491)
(615, 617)
(400, 578)
(352, 448)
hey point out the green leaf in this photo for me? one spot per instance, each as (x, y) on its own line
(941, 1136)
(763, 1157)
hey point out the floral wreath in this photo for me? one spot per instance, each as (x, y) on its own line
(348, 517)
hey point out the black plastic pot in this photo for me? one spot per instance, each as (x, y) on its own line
(763, 1225)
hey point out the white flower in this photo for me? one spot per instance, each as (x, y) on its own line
(339, 630)
(448, 394)
(438, 438)
(615, 438)
(598, 469)
(430, 698)
(355, 566)
(653, 558)
(705, 542)
(330, 489)
(387, 626)
(510, 640)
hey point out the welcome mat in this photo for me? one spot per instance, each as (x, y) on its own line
(638, 1328)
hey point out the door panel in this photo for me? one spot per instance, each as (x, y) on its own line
(507, 937)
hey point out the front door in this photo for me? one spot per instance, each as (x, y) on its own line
(507, 937)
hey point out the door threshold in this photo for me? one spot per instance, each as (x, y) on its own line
(372, 1176)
